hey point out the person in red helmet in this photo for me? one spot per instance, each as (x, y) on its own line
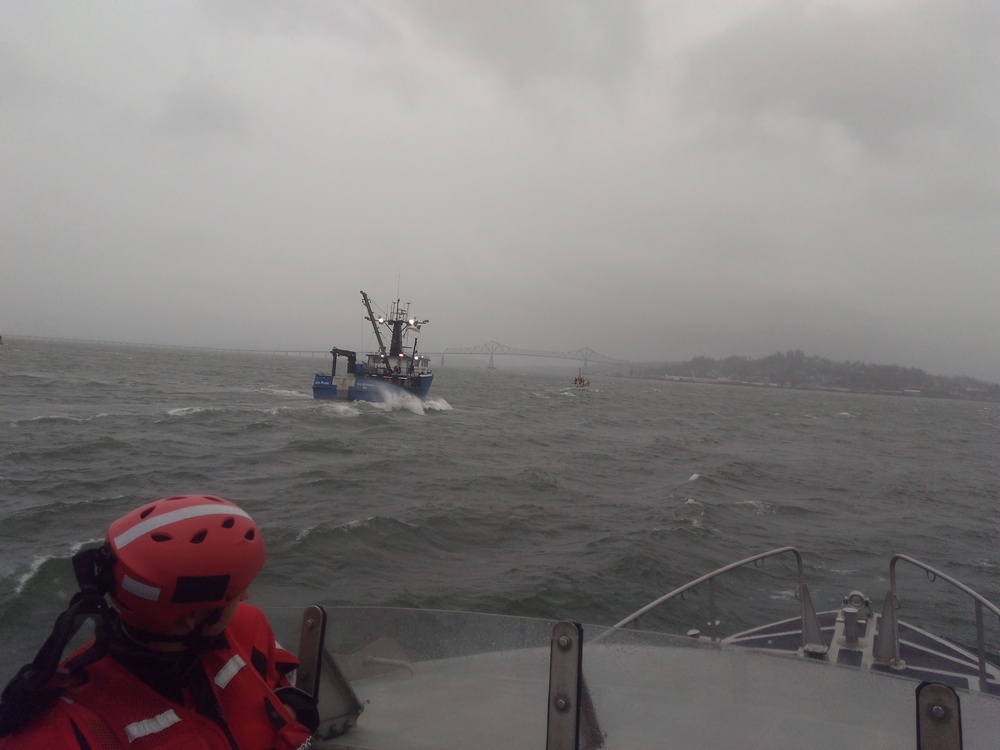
(178, 659)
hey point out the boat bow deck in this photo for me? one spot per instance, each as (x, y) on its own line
(420, 679)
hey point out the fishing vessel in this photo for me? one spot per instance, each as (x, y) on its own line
(396, 368)
(579, 381)
(855, 675)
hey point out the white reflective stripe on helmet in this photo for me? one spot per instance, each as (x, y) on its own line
(140, 589)
(181, 514)
(146, 727)
(228, 672)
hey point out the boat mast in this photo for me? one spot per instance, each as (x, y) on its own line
(396, 323)
(375, 321)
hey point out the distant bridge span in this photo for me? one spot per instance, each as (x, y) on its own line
(584, 355)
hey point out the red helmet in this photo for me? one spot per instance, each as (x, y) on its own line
(180, 554)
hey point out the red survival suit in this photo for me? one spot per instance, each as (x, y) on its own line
(114, 709)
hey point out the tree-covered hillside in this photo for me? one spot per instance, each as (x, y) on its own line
(794, 369)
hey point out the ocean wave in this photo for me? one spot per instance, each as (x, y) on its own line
(185, 411)
(59, 418)
(437, 404)
(32, 571)
(759, 506)
(284, 392)
(50, 567)
(784, 595)
(399, 400)
(368, 523)
(340, 409)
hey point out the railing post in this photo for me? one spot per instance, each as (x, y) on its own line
(812, 634)
(980, 645)
(565, 662)
(712, 619)
(939, 717)
(311, 636)
(886, 648)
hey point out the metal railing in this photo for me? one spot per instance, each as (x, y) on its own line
(812, 639)
(887, 646)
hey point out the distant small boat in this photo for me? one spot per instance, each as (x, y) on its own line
(397, 368)
(579, 381)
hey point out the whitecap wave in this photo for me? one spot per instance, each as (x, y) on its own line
(399, 400)
(40, 560)
(183, 411)
(59, 418)
(758, 506)
(86, 543)
(32, 571)
(437, 404)
(358, 523)
(340, 408)
(285, 393)
(783, 595)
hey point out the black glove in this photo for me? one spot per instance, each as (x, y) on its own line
(304, 705)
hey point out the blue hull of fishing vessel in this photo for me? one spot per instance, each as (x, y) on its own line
(396, 369)
(369, 388)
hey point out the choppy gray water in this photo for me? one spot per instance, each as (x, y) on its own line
(505, 491)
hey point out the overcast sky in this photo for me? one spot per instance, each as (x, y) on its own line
(653, 180)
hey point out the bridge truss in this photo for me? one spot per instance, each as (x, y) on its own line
(585, 355)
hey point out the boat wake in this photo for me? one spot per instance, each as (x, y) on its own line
(396, 399)
(341, 409)
(437, 404)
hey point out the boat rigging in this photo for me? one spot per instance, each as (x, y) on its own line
(397, 367)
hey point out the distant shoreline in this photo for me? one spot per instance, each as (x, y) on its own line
(980, 397)
(954, 389)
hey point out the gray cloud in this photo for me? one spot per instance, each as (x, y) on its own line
(887, 76)
(530, 43)
(654, 181)
(198, 109)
